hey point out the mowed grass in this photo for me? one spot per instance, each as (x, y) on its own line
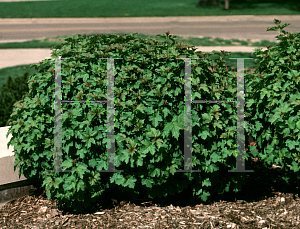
(138, 8)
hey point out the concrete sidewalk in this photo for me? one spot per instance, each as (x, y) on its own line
(15, 57)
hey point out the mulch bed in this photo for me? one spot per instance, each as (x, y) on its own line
(264, 203)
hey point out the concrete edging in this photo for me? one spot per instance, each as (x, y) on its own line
(11, 185)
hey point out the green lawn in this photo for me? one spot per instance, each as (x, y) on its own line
(139, 8)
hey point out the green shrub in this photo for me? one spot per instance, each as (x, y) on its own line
(11, 92)
(273, 104)
(148, 124)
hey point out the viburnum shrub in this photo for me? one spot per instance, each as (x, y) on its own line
(148, 121)
(272, 112)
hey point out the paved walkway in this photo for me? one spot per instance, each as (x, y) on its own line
(14, 57)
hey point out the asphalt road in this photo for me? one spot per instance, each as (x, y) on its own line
(228, 27)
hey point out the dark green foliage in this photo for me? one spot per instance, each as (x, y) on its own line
(11, 92)
(273, 104)
(148, 124)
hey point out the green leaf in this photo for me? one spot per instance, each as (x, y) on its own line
(218, 124)
(173, 168)
(295, 166)
(258, 126)
(102, 165)
(88, 136)
(205, 195)
(66, 164)
(196, 95)
(197, 193)
(92, 163)
(298, 124)
(274, 117)
(139, 161)
(207, 118)
(57, 182)
(264, 92)
(223, 135)
(153, 133)
(291, 144)
(47, 143)
(81, 153)
(80, 185)
(37, 133)
(206, 182)
(33, 172)
(118, 179)
(204, 134)
(204, 87)
(286, 132)
(147, 182)
(84, 76)
(156, 119)
(67, 149)
(271, 156)
(81, 169)
(177, 91)
(174, 126)
(140, 108)
(155, 172)
(166, 112)
(124, 156)
(148, 147)
(292, 121)
(35, 157)
(130, 182)
(291, 49)
(215, 157)
(94, 178)
(212, 168)
(285, 107)
(149, 110)
(48, 182)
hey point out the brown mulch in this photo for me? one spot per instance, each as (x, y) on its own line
(281, 211)
(264, 203)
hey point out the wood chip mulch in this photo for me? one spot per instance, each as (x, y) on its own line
(264, 203)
